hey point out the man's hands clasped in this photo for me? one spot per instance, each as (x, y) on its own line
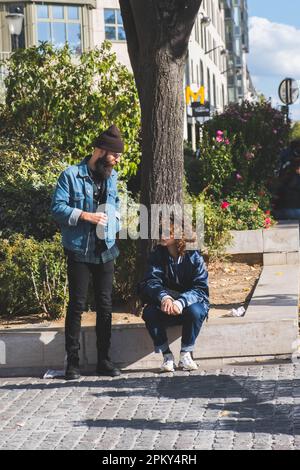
(168, 307)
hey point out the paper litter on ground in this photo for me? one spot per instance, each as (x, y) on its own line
(52, 374)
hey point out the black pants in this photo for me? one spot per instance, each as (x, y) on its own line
(78, 277)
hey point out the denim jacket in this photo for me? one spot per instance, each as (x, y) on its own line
(74, 194)
(189, 277)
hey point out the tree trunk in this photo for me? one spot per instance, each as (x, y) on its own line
(157, 33)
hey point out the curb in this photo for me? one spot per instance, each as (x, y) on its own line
(268, 331)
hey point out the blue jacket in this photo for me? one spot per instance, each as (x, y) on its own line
(190, 277)
(74, 194)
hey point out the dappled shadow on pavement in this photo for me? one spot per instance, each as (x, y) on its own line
(239, 403)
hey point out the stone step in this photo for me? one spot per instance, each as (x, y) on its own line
(268, 330)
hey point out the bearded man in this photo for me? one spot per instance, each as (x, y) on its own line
(86, 206)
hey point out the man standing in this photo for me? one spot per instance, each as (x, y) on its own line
(86, 204)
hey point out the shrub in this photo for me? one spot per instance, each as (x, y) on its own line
(216, 224)
(28, 175)
(258, 133)
(125, 268)
(295, 132)
(32, 277)
(53, 99)
(213, 169)
(245, 214)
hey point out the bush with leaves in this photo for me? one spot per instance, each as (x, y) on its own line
(32, 277)
(28, 175)
(295, 131)
(212, 170)
(246, 214)
(216, 227)
(53, 99)
(258, 133)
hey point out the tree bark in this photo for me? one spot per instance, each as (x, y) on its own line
(158, 33)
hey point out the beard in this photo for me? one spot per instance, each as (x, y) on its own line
(103, 168)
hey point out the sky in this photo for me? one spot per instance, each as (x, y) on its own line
(274, 29)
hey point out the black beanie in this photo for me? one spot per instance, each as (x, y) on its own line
(110, 140)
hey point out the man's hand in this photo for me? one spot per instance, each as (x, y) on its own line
(94, 217)
(167, 306)
(176, 310)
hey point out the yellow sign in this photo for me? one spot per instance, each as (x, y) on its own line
(198, 94)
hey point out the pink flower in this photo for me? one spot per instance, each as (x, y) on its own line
(227, 141)
(219, 139)
(275, 131)
(268, 222)
(239, 177)
(220, 133)
(225, 205)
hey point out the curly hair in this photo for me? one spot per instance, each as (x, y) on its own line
(182, 241)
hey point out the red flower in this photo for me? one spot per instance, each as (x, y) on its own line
(268, 222)
(268, 212)
(225, 205)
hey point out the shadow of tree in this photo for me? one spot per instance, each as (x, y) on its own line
(254, 405)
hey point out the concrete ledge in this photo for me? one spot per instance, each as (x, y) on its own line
(268, 330)
(246, 241)
(282, 239)
(273, 259)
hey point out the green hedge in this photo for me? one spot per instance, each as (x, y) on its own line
(32, 277)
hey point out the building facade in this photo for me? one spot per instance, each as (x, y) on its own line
(54, 21)
(206, 64)
(240, 86)
(216, 55)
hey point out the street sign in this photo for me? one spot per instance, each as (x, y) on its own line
(289, 91)
(193, 93)
(201, 110)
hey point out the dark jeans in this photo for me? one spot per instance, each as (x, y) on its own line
(191, 320)
(79, 276)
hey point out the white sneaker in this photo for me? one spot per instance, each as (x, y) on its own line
(186, 362)
(168, 364)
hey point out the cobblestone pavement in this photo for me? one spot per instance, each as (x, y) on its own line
(255, 407)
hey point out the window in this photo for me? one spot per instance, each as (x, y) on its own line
(192, 70)
(114, 30)
(215, 91)
(208, 86)
(201, 73)
(223, 96)
(60, 24)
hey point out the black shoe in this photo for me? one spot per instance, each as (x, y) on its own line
(106, 367)
(72, 370)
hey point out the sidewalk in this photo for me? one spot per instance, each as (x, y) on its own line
(254, 407)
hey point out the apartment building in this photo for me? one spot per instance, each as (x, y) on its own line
(207, 64)
(240, 86)
(217, 47)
